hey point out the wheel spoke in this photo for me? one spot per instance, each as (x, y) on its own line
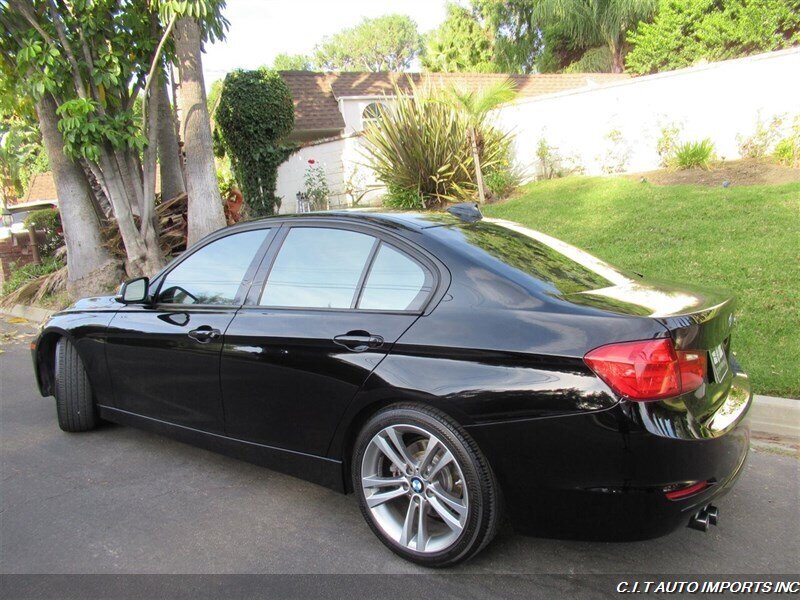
(422, 527)
(379, 498)
(389, 452)
(408, 524)
(451, 521)
(375, 481)
(445, 460)
(430, 451)
(400, 446)
(450, 501)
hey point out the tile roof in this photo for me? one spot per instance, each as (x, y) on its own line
(316, 94)
(42, 187)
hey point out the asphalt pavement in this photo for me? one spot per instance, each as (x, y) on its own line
(119, 500)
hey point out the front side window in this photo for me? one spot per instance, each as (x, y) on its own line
(317, 268)
(213, 274)
(395, 282)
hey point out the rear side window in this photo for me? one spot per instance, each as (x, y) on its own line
(213, 274)
(318, 268)
(395, 282)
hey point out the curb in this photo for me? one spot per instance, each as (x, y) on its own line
(32, 313)
(768, 415)
(775, 416)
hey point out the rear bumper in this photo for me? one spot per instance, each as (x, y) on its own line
(602, 475)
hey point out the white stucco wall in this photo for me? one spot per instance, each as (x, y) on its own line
(716, 101)
(343, 161)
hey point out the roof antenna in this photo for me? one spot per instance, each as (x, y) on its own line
(466, 211)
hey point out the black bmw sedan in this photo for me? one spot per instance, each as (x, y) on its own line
(449, 370)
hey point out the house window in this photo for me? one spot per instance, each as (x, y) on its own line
(373, 112)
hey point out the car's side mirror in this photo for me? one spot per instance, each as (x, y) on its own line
(133, 291)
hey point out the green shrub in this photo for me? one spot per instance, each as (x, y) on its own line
(759, 143)
(787, 151)
(49, 221)
(316, 185)
(421, 144)
(254, 116)
(693, 154)
(405, 199)
(502, 182)
(667, 143)
(22, 275)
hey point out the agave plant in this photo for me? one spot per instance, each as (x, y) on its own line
(422, 144)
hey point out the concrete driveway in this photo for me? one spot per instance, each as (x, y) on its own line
(119, 500)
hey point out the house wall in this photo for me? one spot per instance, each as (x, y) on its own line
(348, 179)
(717, 101)
(352, 110)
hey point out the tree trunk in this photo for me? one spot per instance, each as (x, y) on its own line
(90, 267)
(477, 160)
(169, 153)
(205, 204)
(617, 58)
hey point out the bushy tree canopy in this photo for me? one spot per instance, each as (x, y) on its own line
(687, 31)
(388, 43)
(291, 62)
(460, 43)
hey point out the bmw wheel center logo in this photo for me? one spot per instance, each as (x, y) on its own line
(416, 485)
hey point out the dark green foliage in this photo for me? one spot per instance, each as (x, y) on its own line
(687, 31)
(254, 116)
(49, 221)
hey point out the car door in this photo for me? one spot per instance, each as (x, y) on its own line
(325, 309)
(163, 357)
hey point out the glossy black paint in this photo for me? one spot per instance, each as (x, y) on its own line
(498, 346)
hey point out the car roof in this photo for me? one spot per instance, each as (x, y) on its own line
(408, 220)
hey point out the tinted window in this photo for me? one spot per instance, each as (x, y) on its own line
(395, 282)
(212, 275)
(317, 268)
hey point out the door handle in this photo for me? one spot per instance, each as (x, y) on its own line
(204, 334)
(359, 341)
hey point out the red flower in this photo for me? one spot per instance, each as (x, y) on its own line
(311, 161)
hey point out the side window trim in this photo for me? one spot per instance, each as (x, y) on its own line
(244, 285)
(376, 244)
(265, 268)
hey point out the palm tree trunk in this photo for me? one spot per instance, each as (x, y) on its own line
(477, 160)
(205, 204)
(617, 58)
(169, 153)
(90, 267)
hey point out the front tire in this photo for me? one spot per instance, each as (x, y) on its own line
(424, 487)
(74, 400)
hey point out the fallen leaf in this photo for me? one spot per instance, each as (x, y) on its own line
(16, 320)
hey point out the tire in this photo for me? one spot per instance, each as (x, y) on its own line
(445, 473)
(74, 401)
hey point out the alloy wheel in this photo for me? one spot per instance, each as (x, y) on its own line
(414, 488)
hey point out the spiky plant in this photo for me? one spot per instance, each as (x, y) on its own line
(421, 144)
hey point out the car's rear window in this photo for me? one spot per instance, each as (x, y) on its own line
(552, 263)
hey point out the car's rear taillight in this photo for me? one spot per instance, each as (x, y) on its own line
(648, 370)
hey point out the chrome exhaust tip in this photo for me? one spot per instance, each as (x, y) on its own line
(703, 518)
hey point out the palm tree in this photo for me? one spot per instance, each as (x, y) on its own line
(593, 22)
(476, 105)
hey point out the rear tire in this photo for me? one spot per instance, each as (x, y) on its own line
(74, 400)
(415, 470)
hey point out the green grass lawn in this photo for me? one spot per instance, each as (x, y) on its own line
(743, 239)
